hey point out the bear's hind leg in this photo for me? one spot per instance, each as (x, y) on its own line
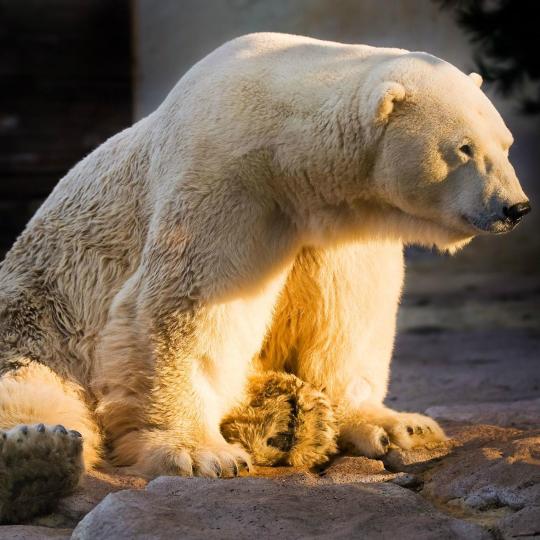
(40, 459)
(334, 328)
(283, 421)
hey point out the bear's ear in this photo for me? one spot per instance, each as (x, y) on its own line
(476, 78)
(387, 96)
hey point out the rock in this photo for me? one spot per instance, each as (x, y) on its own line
(522, 524)
(409, 481)
(289, 475)
(94, 487)
(416, 459)
(32, 532)
(245, 508)
(491, 477)
(524, 413)
(348, 469)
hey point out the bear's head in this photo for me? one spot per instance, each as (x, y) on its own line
(442, 156)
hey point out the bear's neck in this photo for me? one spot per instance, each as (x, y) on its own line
(366, 220)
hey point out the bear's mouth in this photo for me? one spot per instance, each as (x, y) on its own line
(489, 224)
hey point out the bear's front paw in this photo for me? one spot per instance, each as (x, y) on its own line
(364, 439)
(409, 430)
(371, 432)
(212, 460)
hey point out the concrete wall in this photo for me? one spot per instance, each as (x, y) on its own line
(171, 35)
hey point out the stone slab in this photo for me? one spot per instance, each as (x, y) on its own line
(247, 508)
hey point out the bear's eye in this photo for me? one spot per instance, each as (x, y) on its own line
(466, 149)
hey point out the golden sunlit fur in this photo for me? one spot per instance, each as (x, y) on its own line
(283, 421)
(34, 394)
(250, 229)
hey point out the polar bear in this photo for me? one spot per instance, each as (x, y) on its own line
(250, 229)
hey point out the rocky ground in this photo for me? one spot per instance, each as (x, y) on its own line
(467, 353)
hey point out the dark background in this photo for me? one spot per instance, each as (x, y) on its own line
(65, 87)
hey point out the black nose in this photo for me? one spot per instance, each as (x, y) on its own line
(517, 211)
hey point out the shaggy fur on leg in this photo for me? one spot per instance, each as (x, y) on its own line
(283, 421)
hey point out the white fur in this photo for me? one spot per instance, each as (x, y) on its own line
(264, 204)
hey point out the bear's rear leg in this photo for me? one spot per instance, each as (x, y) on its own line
(283, 421)
(38, 465)
(40, 459)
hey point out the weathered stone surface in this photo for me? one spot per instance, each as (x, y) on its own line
(94, 487)
(416, 459)
(285, 474)
(254, 507)
(525, 413)
(491, 477)
(408, 480)
(32, 532)
(347, 469)
(522, 524)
